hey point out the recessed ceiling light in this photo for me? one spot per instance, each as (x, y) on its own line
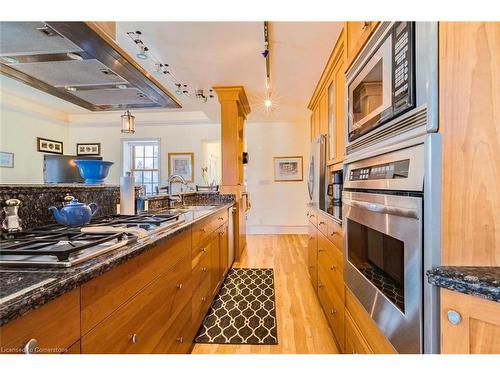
(121, 87)
(74, 56)
(70, 88)
(268, 103)
(10, 60)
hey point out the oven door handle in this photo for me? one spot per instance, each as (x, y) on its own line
(383, 209)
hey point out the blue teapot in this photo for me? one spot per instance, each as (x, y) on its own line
(74, 213)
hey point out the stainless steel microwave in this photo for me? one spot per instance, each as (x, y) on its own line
(384, 87)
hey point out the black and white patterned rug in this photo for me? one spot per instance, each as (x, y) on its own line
(244, 310)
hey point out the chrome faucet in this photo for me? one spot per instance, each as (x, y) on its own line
(12, 222)
(176, 178)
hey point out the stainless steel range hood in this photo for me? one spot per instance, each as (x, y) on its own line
(79, 63)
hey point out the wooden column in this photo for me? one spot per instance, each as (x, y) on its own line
(234, 109)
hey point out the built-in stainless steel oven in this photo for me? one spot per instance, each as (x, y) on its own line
(383, 229)
(384, 86)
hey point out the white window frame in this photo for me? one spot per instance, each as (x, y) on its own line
(128, 161)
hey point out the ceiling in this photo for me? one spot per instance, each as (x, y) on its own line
(206, 54)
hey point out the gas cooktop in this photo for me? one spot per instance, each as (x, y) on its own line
(60, 246)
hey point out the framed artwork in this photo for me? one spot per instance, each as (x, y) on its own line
(288, 168)
(6, 159)
(88, 149)
(48, 145)
(181, 163)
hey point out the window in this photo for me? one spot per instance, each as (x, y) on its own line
(144, 164)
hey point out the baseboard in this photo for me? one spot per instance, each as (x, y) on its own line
(277, 229)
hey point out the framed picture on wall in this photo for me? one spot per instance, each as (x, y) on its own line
(88, 149)
(181, 163)
(288, 168)
(6, 159)
(48, 145)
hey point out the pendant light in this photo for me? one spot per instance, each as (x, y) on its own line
(128, 123)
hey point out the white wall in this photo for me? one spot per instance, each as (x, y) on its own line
(19, 128)
(174, 138)
(277, 207)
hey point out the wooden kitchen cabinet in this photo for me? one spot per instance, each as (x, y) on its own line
(357, 33)
(328, 101)
(149, 322)
(477, 329)
(55, 326)
(367, 329)
(354, 341)
(312, 255)
(223, 250)
(331, 266)
(104, 294)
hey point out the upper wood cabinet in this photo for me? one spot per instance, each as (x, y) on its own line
(328, 101)
(469, 325)
(357, 33)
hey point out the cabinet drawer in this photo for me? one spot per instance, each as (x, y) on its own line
(145, 323)
(333, 307)
(55, 326)
(201, 272)
(201, 301)
(220, 219)
(312, 255)
(104, 294)
(201, 231)
(323, 224)
(335, 234)
(313, 217)
(200, 253)
(355, 343)
(330, 265)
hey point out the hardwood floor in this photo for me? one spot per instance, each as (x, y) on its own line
(302, 327)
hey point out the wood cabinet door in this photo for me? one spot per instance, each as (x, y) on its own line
(333, 306)
(354, 341)
(148, 322)
(223, 247)
(215, 276)
(323, 113)
(339, 112)
(357, 33)
(331, 266)
(312, 255)
(51, 329)
(469, 325)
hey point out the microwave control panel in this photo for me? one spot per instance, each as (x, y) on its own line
(386, 171)
(402, 62)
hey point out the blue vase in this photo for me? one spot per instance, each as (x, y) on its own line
(93, 171)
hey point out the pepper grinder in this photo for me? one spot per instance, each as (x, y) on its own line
(12, 222)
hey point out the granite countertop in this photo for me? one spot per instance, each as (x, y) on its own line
(25, 289)
(483, 282)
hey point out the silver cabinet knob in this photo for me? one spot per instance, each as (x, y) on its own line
(180, 340)
(203, 249)
(333, 233)
(320, 286)
(203, 299)
(204, 269)
(203, 230)
(179, 286)
(133, 338)
(454, 317)
(31, 346)
(365, 25)
(322, 223)
(333, 311)
(333, 267)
